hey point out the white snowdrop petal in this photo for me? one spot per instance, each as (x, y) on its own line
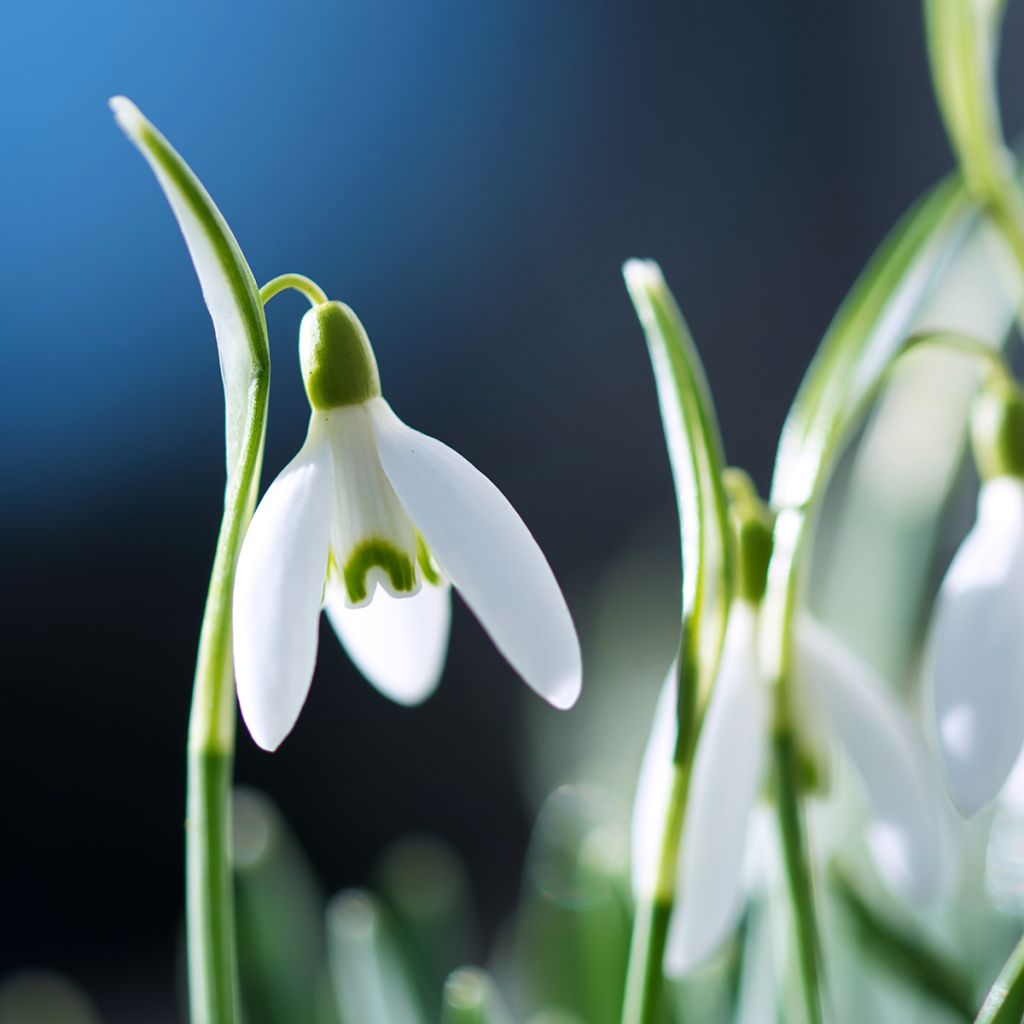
(654, 784)
(485, 549)
(372, 538)
(398, 643)
(905, 836)
(976, 655)
(278, 589)
(728, 771)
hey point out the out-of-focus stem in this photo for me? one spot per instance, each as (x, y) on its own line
(650, 924)
(798, 873)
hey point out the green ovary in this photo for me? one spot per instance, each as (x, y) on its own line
(382, 554)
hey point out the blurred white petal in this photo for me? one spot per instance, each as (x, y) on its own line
(976, 658)
(905, 835)
(654, 784)
(485, 549)
(398, 643)
(278, 589)
(728, 771)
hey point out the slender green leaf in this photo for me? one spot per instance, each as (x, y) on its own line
(371, 981)
(962, 42)
(696, 456)
(870, 579)
(1004, 1003)
(228, 285)
(281, 956)
(425, 886)
(867, 332)
(234, 304)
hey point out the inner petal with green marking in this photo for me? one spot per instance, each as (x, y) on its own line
(377, 555)
(373, 540)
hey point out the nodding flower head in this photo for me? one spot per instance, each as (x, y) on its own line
(976, 655)
(374, 522)
(847, 708)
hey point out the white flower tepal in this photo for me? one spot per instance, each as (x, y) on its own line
(977, 650)
(374, 520)
(848, 707)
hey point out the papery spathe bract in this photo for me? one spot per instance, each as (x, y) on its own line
(976, 655)
(373, 519)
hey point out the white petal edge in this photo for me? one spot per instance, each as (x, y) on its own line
(486, 550)
(278, 590)
(653, 787)
(976, 654)
(905, 835)
(398, 643)
(728, 771)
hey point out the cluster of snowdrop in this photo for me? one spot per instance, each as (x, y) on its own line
(969, 737)
(375, 523)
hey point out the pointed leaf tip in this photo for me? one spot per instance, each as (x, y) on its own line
(228, 286)
(641, 273)
(128, 116)
(696, 458)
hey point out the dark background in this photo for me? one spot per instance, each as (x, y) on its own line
(469, 177)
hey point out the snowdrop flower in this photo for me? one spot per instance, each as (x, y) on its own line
(976, 654)
(374, 521)
(840, 697)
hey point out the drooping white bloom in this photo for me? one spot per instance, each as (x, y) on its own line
(373, 521)
(976, 654)
(842, 699)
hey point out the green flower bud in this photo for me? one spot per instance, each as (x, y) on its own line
(997, 430)
(338, 364)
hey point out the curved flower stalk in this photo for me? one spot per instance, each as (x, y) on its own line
(976, 654)
(844, 707)
(375, 521)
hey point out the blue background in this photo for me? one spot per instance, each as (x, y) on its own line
(469, 177)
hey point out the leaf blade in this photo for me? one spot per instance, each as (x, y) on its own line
(228, 286)
(697, 461)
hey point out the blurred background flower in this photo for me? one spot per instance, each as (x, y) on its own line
(469, 178)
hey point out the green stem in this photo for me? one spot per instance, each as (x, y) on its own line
(212, 953)
(792, 527)
(1004, 1003)
(298, 282)
(650, 923)
(786, 773)
(212, 942)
